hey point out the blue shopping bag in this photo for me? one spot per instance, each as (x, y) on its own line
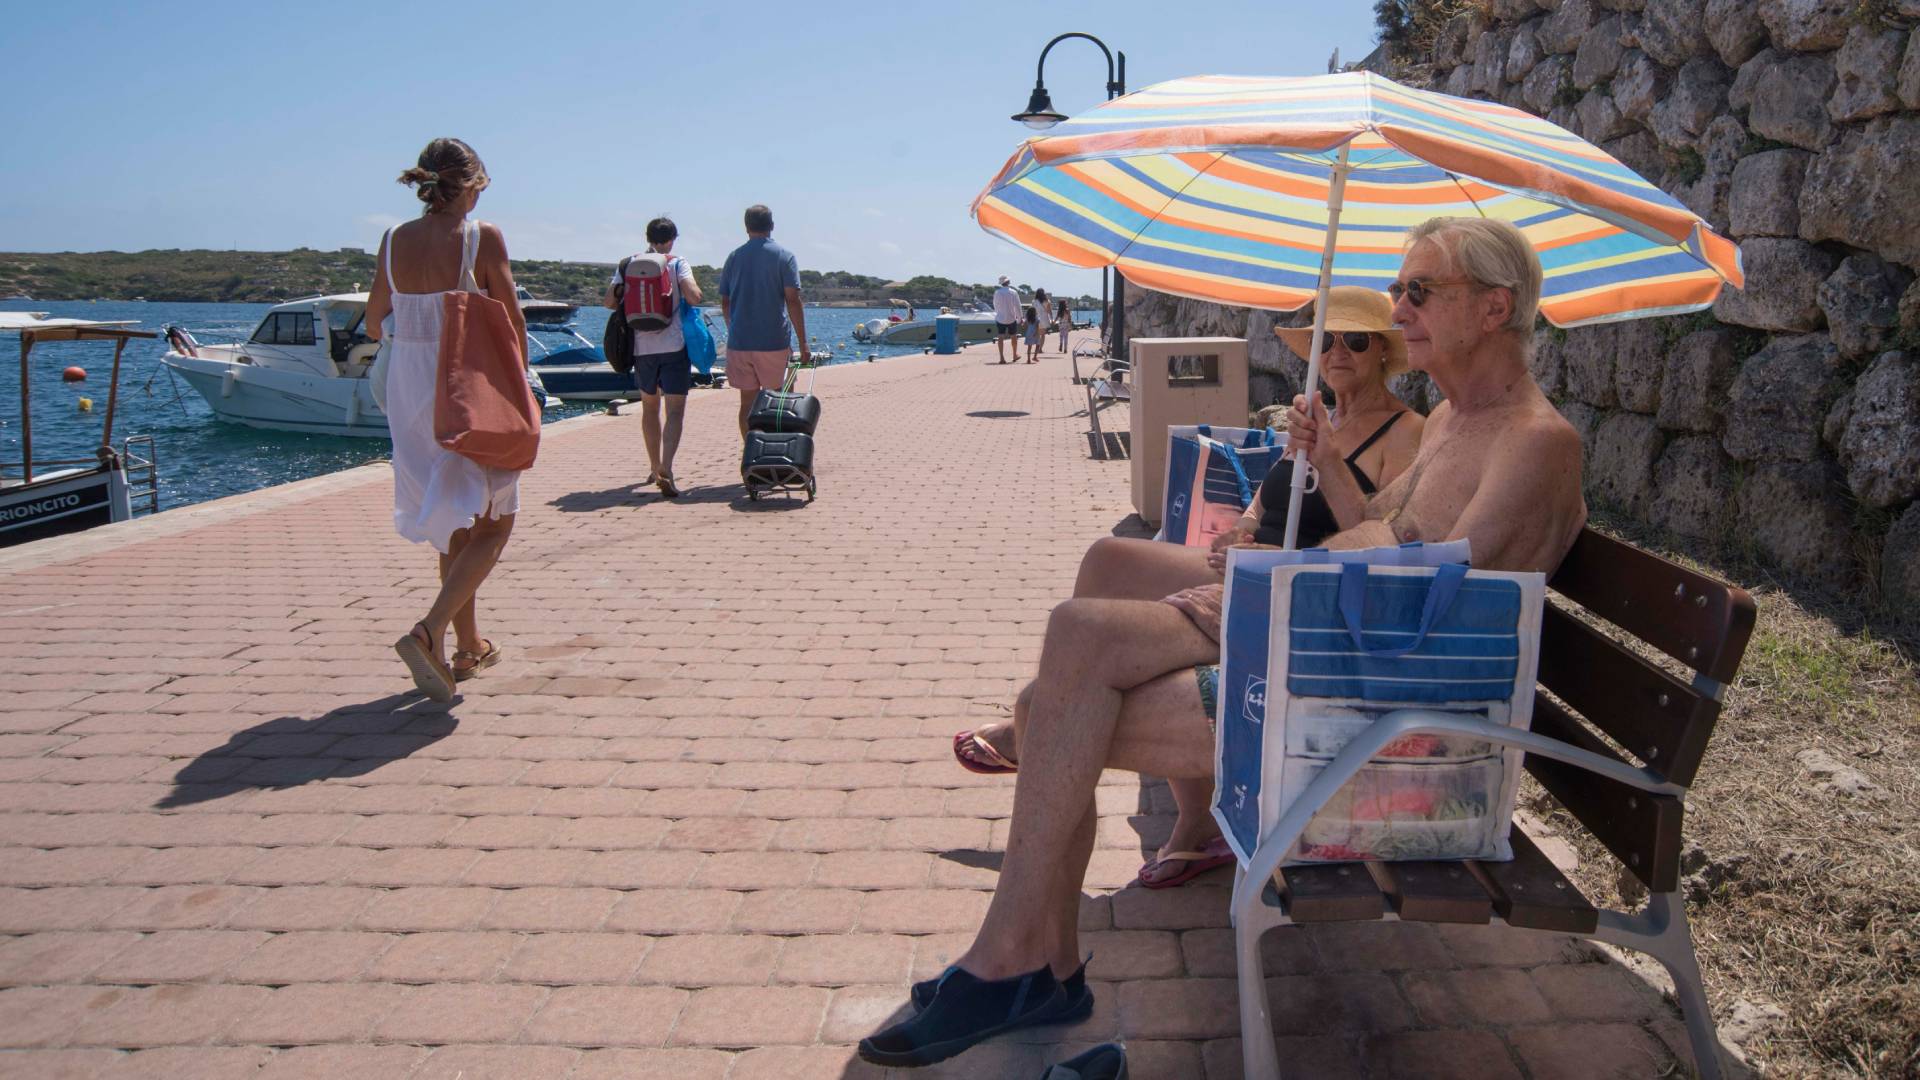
(1318, 645)
(700, 348)
(1212, 474)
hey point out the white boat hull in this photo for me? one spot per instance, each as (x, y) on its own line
(920, 331)
(283, 400)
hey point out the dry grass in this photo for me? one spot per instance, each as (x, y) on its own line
(1813, 905)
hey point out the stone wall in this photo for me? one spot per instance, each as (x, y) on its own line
(1790, 418)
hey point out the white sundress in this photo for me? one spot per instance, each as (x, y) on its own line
(436, 492)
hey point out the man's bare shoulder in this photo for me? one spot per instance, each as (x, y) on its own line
(1538, 428)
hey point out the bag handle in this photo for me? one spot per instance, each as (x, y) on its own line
(1353, 599)
(1205, 434)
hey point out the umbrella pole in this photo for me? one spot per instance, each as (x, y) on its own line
(1335, 195)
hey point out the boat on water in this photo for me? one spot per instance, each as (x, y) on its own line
(304, 368)
(545, 312)
(50, 497)
(975, 325)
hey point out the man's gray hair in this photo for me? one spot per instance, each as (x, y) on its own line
(1493, 253)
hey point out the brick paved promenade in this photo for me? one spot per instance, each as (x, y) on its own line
(701, 823)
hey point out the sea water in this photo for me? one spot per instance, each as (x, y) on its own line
(201, 457)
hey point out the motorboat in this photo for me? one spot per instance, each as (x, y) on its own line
(303, 369)
(46, 498)
(545, 312)
(573, 368)
(913, 330)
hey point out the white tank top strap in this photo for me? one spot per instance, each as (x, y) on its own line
(469, 248)
(386, 246)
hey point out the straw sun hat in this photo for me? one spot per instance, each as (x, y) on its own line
(1351, 307)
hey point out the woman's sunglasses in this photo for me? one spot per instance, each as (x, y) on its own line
(1417, 290)
(1357, 341)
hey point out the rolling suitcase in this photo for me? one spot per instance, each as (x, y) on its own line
(779, 453)
(779, 410)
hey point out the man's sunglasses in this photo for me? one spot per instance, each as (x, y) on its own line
(1417, 290)
(1357, 341)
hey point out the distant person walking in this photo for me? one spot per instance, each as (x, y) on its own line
(1006, 318)
(661, 367)
(1065, 316)
(760, 299)
(465, 510)
(1039, 321)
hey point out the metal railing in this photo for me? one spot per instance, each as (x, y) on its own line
(143, 474)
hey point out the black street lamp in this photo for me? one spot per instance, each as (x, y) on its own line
(1040, 115)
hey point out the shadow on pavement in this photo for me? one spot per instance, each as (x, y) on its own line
(288, 751)
(580, 502)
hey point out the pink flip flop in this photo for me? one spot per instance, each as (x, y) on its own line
(977, 755)
(1215, 854)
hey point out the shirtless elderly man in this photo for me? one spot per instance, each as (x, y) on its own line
(1116, 688)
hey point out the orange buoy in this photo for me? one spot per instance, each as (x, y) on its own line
(74, 374)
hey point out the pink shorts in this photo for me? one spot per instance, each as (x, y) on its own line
(757, 369)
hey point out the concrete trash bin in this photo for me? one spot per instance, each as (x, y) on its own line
(1179, 381)
(946, 334)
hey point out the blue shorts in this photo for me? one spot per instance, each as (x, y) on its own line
(663, 373)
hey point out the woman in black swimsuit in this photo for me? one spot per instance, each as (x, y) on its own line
(1377, 434)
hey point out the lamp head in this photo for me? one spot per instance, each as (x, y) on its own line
(1039, 113)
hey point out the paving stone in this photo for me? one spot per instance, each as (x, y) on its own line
(179, 956)
(695, 960)
(59, 957)
(426, 908)
(310, 956)
(497, 1062)
(627, 1064)
(1589, 1051)
(1593, 992)
(199, 1062)
(751, 1016)
(569, 959)
(162, 1015)
(314, 1013)
(456, 1014)
(445, 957)
(608, 1016)
(331, 1062)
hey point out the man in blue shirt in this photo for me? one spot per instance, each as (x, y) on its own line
(759, 293)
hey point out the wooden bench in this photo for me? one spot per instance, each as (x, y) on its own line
(1604, 696)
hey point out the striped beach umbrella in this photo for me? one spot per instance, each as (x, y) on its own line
(1220, 188)
(1263, 192)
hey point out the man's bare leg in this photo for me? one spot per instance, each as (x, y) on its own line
(1095, 650)
(1118, 568)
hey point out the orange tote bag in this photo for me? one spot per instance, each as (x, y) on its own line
(483, 409)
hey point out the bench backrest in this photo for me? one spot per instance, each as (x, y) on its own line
(1612, 701)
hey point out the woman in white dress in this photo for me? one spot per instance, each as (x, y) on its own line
(463, 509)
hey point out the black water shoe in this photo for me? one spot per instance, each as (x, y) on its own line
(1104, 1062)
(965, 1010)
(1076, 1004)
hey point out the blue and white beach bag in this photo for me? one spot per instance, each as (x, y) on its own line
(1212, 473)
(1318, 646)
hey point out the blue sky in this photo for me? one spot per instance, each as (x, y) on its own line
(867, 128)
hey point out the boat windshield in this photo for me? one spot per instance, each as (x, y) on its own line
(285, 328)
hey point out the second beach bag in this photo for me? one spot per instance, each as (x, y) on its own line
(616, 343)
(1211, 475)
(483, 407)
(701, 351)
(1317, 647)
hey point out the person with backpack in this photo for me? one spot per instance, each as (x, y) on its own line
(649, 287)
